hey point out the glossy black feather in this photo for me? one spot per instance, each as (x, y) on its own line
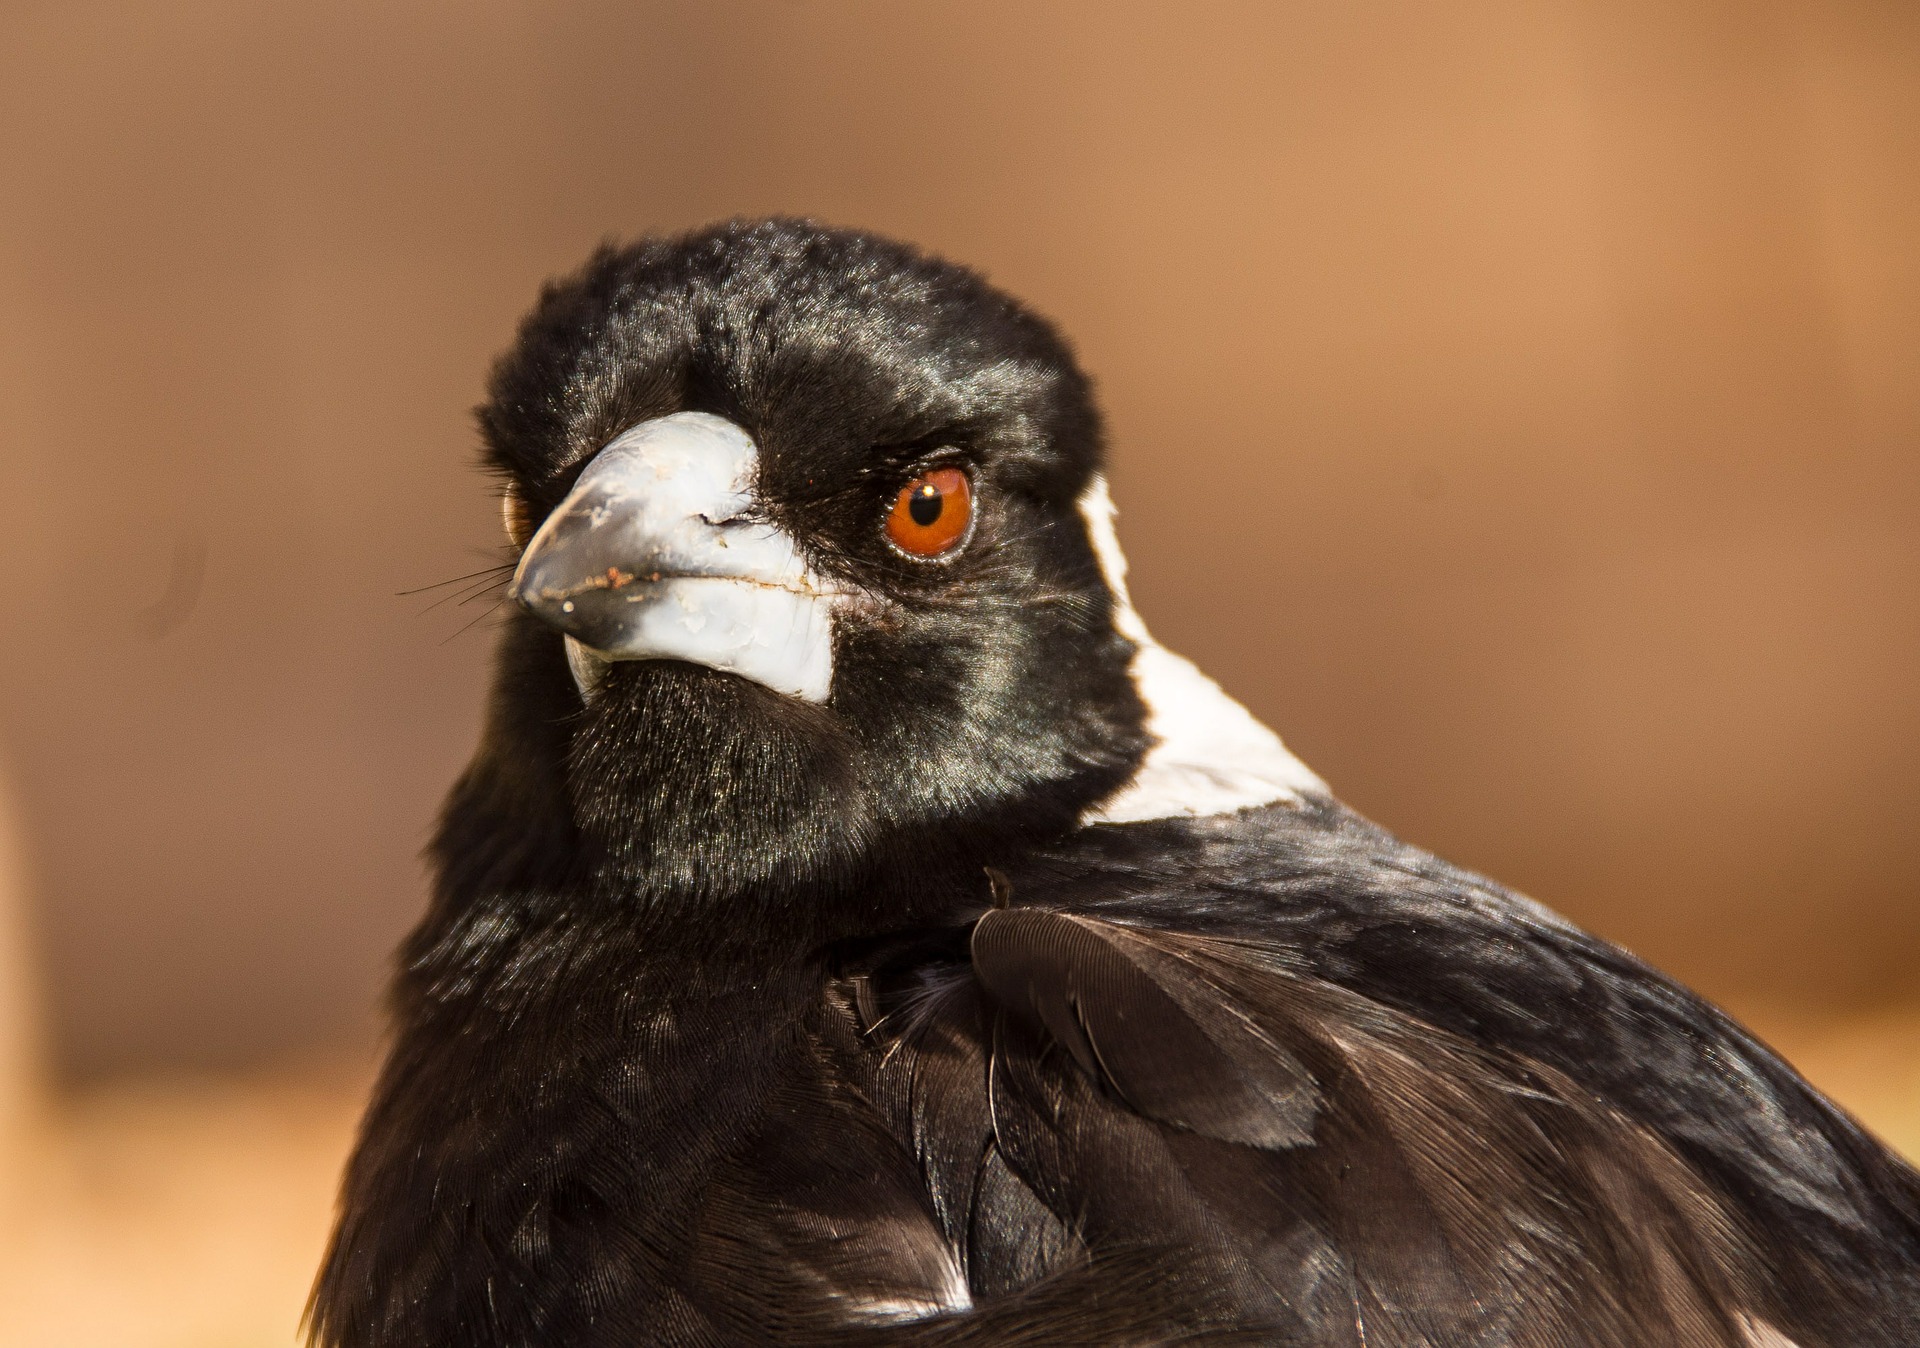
(1167, 1041)
(715, 1034)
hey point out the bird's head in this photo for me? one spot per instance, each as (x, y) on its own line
(808, 587)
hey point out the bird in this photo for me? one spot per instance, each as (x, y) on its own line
(854, 928)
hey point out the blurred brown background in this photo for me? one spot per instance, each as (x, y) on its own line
(1515, 403)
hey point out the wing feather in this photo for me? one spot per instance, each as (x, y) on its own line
(1351, 1170)
(1146, 1024)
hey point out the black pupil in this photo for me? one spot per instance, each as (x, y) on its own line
(925, 504)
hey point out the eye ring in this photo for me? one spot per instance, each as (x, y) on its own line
(932, 514)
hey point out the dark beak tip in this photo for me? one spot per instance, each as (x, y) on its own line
(593, 617)
(528, 598)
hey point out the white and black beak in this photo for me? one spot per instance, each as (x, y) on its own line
(659, 553)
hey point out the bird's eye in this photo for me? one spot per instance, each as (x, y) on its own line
(931, 515)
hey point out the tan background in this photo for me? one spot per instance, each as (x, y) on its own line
(1515, 403)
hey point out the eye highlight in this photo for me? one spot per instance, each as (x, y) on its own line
(932, 513)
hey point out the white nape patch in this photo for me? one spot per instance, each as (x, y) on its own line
(1210, 756)
(1759, 1334)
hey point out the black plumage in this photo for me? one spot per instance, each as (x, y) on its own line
(739, 1018)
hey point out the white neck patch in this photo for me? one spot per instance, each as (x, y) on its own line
(1209, 755)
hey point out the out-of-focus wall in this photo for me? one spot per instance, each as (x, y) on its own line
(1517, 404)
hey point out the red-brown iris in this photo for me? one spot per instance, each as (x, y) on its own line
(931, 514)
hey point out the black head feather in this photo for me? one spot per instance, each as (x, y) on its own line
(977, 703)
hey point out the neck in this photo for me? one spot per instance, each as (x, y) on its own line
(1209, 755)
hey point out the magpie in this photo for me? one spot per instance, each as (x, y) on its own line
(854, 928)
